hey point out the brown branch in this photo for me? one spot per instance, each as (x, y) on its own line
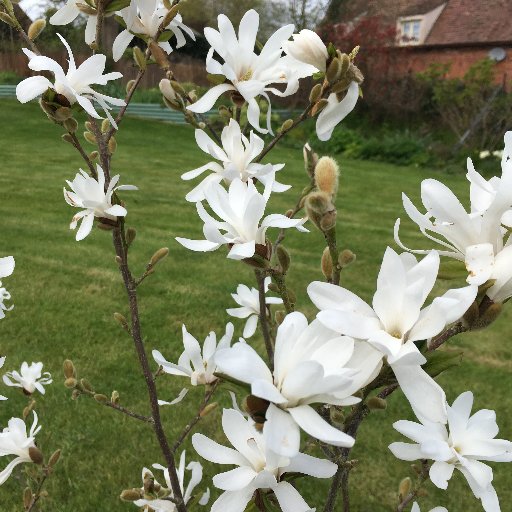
(80, 149)
(100, 15)
(438, 340)
(37, 496)
(128, 412)
(422, 478)
(260, 277)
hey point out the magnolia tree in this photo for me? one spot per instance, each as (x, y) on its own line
(304, 386)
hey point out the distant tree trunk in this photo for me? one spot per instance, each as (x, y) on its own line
(333, 11)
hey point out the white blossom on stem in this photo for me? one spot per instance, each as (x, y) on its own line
(75, 85)
(476, 238)
(312, 364)
(69, 12)
(89, 193)
(416, 508)
(236, 157)
(162, 503)
(258, 468)
(307, 47)
(197, 364)
(241, 209)
(462, 444)
(14, 440)
(248, 73)
(29, 378)
(249, 301)
(143, 19)
(397, 321)
(6, 269)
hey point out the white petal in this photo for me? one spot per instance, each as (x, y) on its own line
(281, 432)
(440, 473)
(31, 88)
(215, 452)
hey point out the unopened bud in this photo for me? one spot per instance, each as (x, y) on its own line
(71, 125)
(173, 11)
(166, 89)
(112, 145)
(101, 399)
(315, 93)
(131, 233)
(67, 138)
(333, 71)
(376, 403)
(346, 257)
(159, 55)
(139, 58)
(326, 263)
(129, 86)
(345, 63)
(35, 454)
(178, 88)
(273, 287)
(404, 488)
(319, 106)
(121, 320)
(75, 394)
(86, 9)
(70, 382)
(328, 221)
(320, 210)
(94, 155)
(27, 498)
(326, 175)
(86, 385)
(310, 160)
(279, 316)
(488, 316)
(89, 137)
(105, 125)
(115, 397)
(7, 19)
(355, 74)
(54, 458)
(158, 256)
(131, 495)
(69, 369)
(337, 416)
(283, 257)
(287, 125)
(224, 112)
(36, 28)
(208, 409)
(472, 314)
(342, 85)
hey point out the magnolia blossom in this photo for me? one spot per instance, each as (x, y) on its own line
(311, 365)
(237, 155)
(69, 12)
(257, 466)
(477, 237)
(194, 363)
(416, 508)
(2, 361)
(29, 378)
(75, 85)
(162, 503)
(6, 269)
(143, 18)
(397, 321)
(89, 193)
(307, 47)
(15, 441)
(241, 210)
(249, 300)
(335, 111)
(249, 74)
(462, 445)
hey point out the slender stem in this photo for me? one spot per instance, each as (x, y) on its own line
(124, 410)
(336, 484)
(260, 277)
(443, 337)
(280, 280)
(99, 23)
(196, 419)
(27, 39)
(422, 478)
(80, 149)
(37, 496)
(330, 238)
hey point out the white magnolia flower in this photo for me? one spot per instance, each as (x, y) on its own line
(89, 193)
(6, 269)
(416, 508)
(311, 365)
(2, 361)
(466, 442)
(240, 210)
(335, 111)
(397, 321)
(476, 237)
(163, 503)
(257, 467)
(250, 74)
(237, 155)
(249, 300)
(15, 441)
(69, 12)
(307, 47)
(29, 378)
(75, 85)
(143, 18)
(194, 363)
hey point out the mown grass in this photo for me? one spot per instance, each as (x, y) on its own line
(66, 292)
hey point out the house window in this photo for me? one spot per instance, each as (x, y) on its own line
(411, 30)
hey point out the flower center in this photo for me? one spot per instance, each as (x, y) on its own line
(246, 76)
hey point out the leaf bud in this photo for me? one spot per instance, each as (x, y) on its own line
(328, 221)
(7, 19)
(337, 416)
(310, 160)
(86, 385)
(131, 495)
(35, 454)
(89, 137)
(346, 258)
(121, 320)
(54, 458)
(105, 125)
(488, 316)
(326, 175)
(131, 233)
(404, 488)
(115, 397)
(67, 138)
(178, 88)
(76, 393)
(159, 55)
(224, 112)
(319, 106)
(101, 399)
(173, 11)
(279, 316)
(472, 314)
(71, 125)
(139, 58)
(355, 74)
(70, 382)
(27, 498)
(112, 145)
(341, 85)
(326, 263)
(345, 63)
(283, 257)
(315, 93)
(167, 90)
(375, 403)
(333, 71)
(129, 86)
(320, 210)
(273, 287)
(86, 9)
(287, 125)
(158, 256)
(69, 369)
(36, 28)
(94, 155)
(208, 409)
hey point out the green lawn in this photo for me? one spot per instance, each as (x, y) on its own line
(65, 293)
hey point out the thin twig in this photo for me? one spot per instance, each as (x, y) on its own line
(80, 149)
(422, 478)
(260, 277)
(37, 496)
(124, 410)
(443, 337)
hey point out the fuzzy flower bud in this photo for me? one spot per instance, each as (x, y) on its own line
(326, 175)
(167, 90)
(36, 28)
(326, 263)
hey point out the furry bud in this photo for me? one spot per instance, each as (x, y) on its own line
(158, 256)
(284, 258)
(69, 369)
(326, 175)
(315, 93)
(405, 487)
(139, 58)
(36, 28)
(326, 263)
(35, 454)
(131, 495)
(71, 125)
(346, 257)
(376, 403)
